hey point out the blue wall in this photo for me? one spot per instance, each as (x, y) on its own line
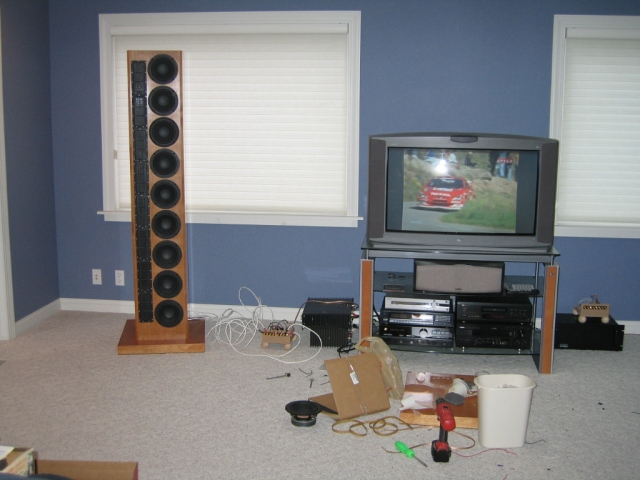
(461, 65)
(29, 156)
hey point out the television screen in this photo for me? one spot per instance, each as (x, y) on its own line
(487, 192)
(462, 191)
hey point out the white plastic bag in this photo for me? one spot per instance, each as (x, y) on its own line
(391, 373)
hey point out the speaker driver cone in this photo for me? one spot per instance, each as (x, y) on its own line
(167, 284)
(162, 69)
(165, 194)
(164, 132)
(169, 313)
(164, 163)
(163, 100)
(303, 412)
(166, 224)
(167, 254)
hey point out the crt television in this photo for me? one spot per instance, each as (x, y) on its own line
(461, 191)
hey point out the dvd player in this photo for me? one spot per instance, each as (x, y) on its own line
(417, 318)
(433, 303)
(494, 309)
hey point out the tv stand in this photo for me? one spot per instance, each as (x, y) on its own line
(545, 280)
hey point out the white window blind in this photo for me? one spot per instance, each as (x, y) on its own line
(269, 115)
(596, 117)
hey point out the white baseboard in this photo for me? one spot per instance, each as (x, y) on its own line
(195, 309)
(631, 327)
(27, 323)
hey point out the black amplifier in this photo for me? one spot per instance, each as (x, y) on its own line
(393, 330)
(431, 319)
(514, 309)
(517, 336)
(591, 335)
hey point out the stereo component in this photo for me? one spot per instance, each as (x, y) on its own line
(331, 319)
(516, 336)
(513, 309)
(417, 343)
(417, 318)
(417, 303)
(419, 332)
(458, 278)
(571, 333)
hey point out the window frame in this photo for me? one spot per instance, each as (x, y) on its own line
(111, 25)
(586, 26)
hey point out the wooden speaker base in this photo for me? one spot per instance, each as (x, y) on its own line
(129, 343)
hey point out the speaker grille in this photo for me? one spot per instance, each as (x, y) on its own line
(157, 184)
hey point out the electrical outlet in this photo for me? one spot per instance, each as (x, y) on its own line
(120, 278)
(96, 274)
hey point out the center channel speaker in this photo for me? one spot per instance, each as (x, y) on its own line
(158, 208)
(458, 277)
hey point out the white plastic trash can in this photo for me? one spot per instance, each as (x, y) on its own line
(504, 402)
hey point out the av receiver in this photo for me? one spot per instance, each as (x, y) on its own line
(494, 309)
(417, 343)
(420, 332)
(517, 336)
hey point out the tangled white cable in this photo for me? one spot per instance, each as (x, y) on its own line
(238, 332)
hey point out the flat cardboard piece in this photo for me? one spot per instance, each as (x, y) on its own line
(87, 470)
(358, 388)
(426, 392)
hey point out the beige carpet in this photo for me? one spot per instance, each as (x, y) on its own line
(65, 392)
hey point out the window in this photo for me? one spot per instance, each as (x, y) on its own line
(595, 113)
(270, 113)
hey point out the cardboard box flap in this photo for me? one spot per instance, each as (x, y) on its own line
(358, 387)
(87, 470)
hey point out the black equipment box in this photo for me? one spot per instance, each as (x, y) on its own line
(331, 319)
(422, 318)
(512, 309)
(591, 335)
(516, 336)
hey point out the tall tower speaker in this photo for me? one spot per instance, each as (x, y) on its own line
(157, 209)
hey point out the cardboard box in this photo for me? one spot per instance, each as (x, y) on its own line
(84, 470)
(358, 387)
(20, 461)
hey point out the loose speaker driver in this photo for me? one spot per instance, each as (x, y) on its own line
(303, 412)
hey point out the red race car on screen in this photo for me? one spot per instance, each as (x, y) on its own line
(446, 192)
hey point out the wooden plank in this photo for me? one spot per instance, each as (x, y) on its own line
(548, 327)
(437, 385)
(366, 297)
